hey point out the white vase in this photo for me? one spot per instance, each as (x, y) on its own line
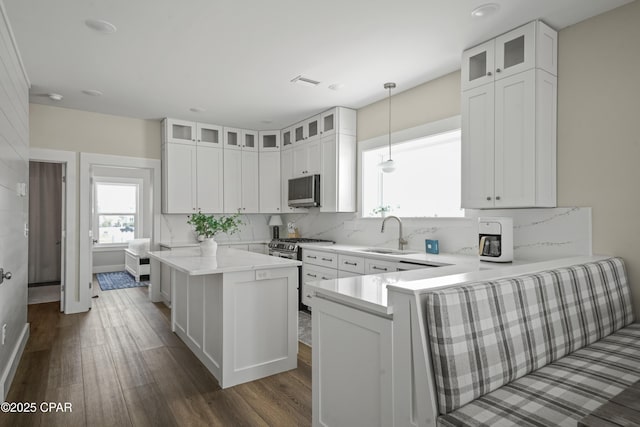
(209, 247)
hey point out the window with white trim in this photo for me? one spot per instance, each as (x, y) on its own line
(117, 210)
(426, 182)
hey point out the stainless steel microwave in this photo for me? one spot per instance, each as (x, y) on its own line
(304, 192)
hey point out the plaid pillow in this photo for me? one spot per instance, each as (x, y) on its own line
(487, 334)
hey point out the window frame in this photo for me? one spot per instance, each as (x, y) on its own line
(399, 137)
(138, 215)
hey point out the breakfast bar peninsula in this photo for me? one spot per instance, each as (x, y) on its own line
(237, 311)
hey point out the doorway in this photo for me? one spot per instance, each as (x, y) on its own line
(45, 240)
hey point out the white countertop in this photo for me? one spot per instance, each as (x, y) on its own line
(227, 260)
(192, 244)
(370, 292)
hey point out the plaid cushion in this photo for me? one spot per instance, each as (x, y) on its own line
(561, 393)
(488, 334)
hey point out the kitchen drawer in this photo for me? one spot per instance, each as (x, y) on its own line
(325, 259)
(353, 264)
(342, 274)
(376, 266)
(312, 273)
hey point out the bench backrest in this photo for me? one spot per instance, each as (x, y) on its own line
(487, 334)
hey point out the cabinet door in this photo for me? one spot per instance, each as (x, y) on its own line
(180, 131)
(287, 137)
(232, 181)
(179, 178)
(515, 133)
(477, 65)
(269, 140)
(328, 121)
(312, 126)
(210, 181)
(270, 182)
(314, 157)
(300, 157)
(477, 147)
(250, 140)
(313, 273)
(250, 182)
(232, 138)
(515, 51)
(329, 175)
(299, 132)
(209, 135)
(286, 171)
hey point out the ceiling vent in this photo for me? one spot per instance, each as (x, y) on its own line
(304, 81)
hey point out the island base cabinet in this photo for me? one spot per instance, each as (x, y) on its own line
(241, 325)
(352, 366)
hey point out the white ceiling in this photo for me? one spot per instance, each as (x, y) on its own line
(235, 58)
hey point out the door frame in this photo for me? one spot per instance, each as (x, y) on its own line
(69, 289)
(87, 160)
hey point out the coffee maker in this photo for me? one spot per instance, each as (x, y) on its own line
(495, 239)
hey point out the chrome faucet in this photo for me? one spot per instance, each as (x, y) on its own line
(401, 240)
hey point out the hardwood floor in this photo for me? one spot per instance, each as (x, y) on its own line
(120, 365)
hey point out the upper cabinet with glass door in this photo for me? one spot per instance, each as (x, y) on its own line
(210, 135)
(179, 131)
(338, 119)
(287, 137)
(269, 140)
(250, 140)
(533, 45)
(232, 138)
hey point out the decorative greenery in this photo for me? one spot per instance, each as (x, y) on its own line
(207, 226)
(382, 209)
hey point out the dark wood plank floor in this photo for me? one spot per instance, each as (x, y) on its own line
(120, 365)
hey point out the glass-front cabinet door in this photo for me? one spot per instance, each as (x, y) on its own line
(180, 131)
(250, 140)
(300, 132)
(209, 134)
(233, 138)
(312, 126)
(269, 140)
(477, 65)
(515, 51)
(328, 122)
(287, 137)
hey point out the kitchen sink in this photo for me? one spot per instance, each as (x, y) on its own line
(387, 251)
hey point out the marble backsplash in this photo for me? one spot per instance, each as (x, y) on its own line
(174, 228)
(538, 233)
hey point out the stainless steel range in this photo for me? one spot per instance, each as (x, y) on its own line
(290, 248)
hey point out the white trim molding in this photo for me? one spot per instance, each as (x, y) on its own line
(14, 360)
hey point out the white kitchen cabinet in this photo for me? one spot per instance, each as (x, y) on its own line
(269, 140)
(338, 120)
(533, 45)
(312, 127)
(338, 173)
(307, 158)
(179, 178)
(509, 124)
(232, 181)
(179, 131)
(349, 343)
(270, 200)
(232, 138)
(207, 134)
(250, 140)
(377, 266)
(287, 137)
(209, 179)
(313, 273)
(299, 132)
(350, 263)
(509, 142)
(250, 182)
(286, 172)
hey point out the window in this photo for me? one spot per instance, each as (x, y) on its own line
(116, 211)
(426, 182)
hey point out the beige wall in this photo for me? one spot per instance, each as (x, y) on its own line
(599, 130)
(82, 131)
(431, 101)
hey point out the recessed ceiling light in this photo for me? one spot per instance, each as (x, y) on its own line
(336, 86)
(55, 96)
(197, 109)
(92, 92)
(305, 81)
(485, 10)
(101, 26)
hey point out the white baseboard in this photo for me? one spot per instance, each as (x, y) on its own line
(14, 360)
(108, 268)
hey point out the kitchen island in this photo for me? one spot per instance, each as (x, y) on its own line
(237, 312)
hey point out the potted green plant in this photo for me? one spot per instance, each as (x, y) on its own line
(207, 226)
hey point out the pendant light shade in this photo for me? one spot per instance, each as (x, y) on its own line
(389, 165)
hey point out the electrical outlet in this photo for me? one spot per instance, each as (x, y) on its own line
(4, 333)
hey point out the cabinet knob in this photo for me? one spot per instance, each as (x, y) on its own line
(488, 198)
(489, 73)
(193, 140)
(497, 197)
(498, 70)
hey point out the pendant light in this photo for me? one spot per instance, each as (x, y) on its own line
(389, 165)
